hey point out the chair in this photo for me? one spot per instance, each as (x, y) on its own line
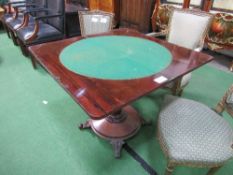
(226, 102)
(192, 134)
(186, 28)
(48, 27)
(9, 10)
(33, 9)
(1, 11)
(160, 18)
(95, 22)
(9, 14)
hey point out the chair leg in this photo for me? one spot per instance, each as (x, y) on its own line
(6, 29)
(176, 89)
(213, 170)
(23, 48)
(170, 168)
(14, 38)
(231, 67)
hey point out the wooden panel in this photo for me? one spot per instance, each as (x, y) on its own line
(136, 14)
(93, 4)
(111, 6)
(106, 5)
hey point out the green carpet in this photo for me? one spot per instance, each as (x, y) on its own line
(38, 124)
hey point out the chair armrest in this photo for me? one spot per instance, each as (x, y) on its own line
(26, 11)
(157, 34)
(48, 16)
(36, 28)
(24, 5)
(16, 2)
(39, 9)
(9, 4)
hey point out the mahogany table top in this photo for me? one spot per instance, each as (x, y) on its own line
(99, 97)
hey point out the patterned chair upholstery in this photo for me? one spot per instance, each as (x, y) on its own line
(187, 28)
(192, 134)
(221, 31)
(160, 17)
(220, 35)
(95, 22)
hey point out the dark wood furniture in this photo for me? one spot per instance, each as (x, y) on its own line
(107, 101)
(1, 11)
(72, 26)
(136, 14)
(111, 6)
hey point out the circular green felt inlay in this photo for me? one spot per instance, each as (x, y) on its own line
(115, 57)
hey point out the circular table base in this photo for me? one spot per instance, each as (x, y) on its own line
(117, 127)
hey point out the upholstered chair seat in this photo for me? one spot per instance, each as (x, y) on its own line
(15, 23)
(46, 33)
(9, 15)
(192, 134)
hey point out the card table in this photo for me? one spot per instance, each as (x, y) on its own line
(105, 73)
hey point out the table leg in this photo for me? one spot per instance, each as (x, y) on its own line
(117, 127)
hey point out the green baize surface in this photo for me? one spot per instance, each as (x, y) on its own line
(115, 57)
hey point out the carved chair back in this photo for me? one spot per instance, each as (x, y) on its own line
(94, 22)
(188, 28)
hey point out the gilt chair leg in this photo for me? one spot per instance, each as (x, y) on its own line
(14, 39)
(231, 67)
(213, 170)
(176, 89)
(170, 168)
(7, 31)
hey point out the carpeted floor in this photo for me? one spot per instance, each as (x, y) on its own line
(38, 124)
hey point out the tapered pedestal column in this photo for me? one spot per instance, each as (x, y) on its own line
(116, 127)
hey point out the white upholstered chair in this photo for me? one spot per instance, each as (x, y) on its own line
(192, 134)
(95, 22)
(187, 28)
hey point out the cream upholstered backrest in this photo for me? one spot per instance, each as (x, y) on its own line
(188, 28)
(95, 22)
